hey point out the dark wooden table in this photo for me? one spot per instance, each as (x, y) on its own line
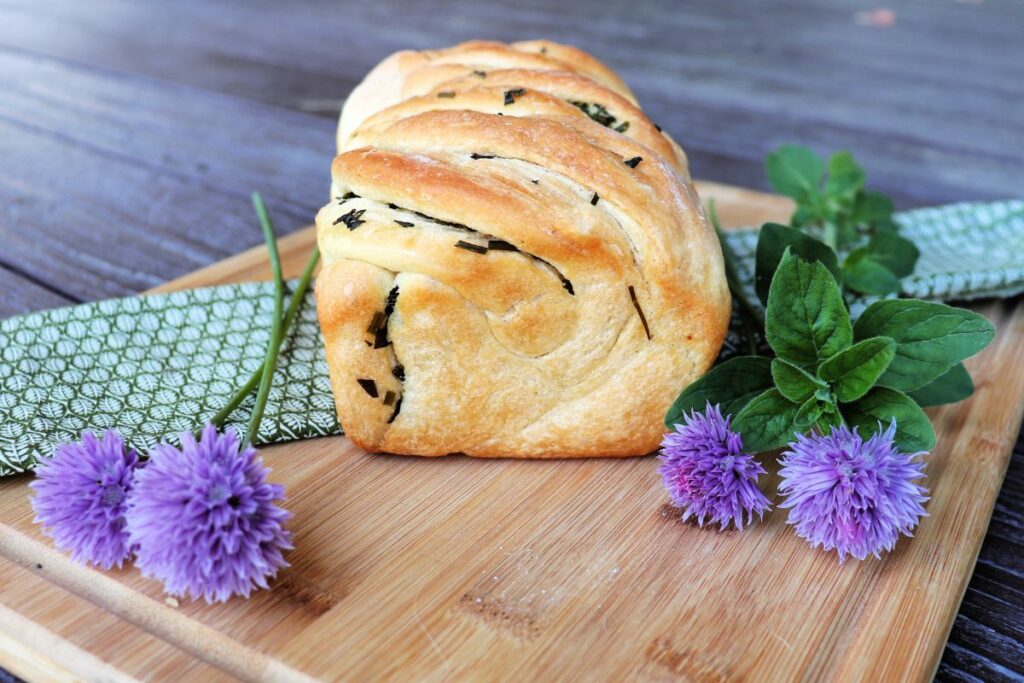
(131, 134)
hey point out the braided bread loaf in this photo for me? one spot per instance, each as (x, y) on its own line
(514, 261)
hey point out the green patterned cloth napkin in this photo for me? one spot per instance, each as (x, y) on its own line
(154, 366)
(969, 251)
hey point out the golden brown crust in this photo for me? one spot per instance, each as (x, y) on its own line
(561, 70)
(520, 287)
(408, 82)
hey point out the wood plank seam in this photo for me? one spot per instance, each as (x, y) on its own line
(38, 655)
(161, 620)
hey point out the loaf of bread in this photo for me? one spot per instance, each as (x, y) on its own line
(515, 263)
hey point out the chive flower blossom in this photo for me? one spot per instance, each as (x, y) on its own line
(81, 498)
(707, 474)
(850, 495)
(203, 518)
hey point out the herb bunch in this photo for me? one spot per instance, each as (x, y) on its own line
(836, 211)
(829, 371)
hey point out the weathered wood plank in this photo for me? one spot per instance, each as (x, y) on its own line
(731, 80)
(112, 184)
(22, 295)
(986, 640)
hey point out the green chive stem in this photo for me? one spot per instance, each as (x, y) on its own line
(270, 363)
(298, 296)
(750, 316)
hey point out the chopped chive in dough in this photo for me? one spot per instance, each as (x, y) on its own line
(389, 306)
(369, 386)
(469, 246)
(481, 74)
(350, 195)
(595, 111)
(392, 206)
(474, 155)
(657, 127)
(447, 94)
(405, 224)
(353, 219)
(389, 397)
(543, 50)
(378, 318)
(640, 311)
(568, 286)
(380, 337)
(634, 162)
(500, 245)
(511, 95)
(399, 372)
(622, 127)
(398, 407)
(535, 182)
(595, 199)
(368, 343)
(450, 224)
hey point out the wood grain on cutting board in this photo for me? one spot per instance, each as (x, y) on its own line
(454, 568)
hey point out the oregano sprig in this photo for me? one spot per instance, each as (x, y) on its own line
(843, 396)
(829, 371)
(835, 210)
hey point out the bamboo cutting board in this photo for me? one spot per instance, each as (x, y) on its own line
(462, 569)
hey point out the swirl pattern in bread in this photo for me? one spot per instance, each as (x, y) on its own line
(514, 261)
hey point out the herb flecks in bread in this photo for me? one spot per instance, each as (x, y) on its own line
(540, 291)
(516, 79)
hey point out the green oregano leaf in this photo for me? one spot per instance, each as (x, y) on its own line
(896, 253)
(805, 214)
(874, 209)
(829, 418)
(846, 232)
(855, 370)
(845, 177)
(795, 171)
(930, 338)
(879, 407)
(772, 242)
(863, 273)
(877, 267)
(806, 320)
(793, 382)
(808, 414)
(731, 385)
(953, 385)
(766, 423)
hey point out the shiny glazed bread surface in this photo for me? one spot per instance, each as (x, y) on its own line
(515, 263)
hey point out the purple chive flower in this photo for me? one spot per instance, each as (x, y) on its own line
(707, 473)
(203, 518)
(852, 495)
(80, 498)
